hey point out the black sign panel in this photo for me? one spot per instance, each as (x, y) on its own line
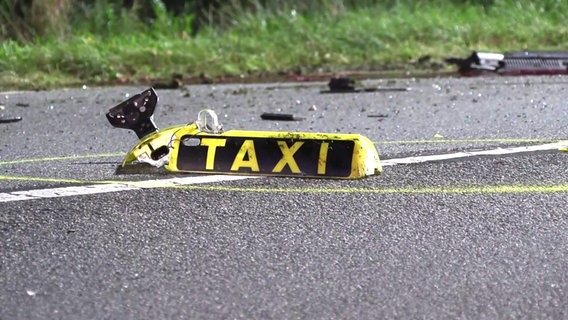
(305, 157)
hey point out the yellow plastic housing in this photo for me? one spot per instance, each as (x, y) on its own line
(264, 153)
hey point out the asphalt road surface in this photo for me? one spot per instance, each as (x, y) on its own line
(475, 228)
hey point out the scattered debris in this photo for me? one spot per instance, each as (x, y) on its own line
(513, 63)
(206, 79)
(9, 120)
(348, 85)
(280, 117)
(175, 82)
(399, 89)
(380, 116)
(341, 84)
(240, 91)
(203, 146)
(438, 136)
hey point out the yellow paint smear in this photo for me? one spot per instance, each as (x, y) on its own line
(513, 189)
(495, 189)
(88, 156)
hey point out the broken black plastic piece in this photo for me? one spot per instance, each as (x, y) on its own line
(136, 113)
(513, 63)
(341, 84)
(478, 61)
(160, 153)
(378, 116)
(280, 117)
(347, 85)
(9, 120)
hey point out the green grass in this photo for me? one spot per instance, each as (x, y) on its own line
(371, 38)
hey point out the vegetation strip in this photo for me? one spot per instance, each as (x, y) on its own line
(104, 43)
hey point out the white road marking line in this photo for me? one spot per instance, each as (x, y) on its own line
(160, 183)
(113, 187)
(457, 155)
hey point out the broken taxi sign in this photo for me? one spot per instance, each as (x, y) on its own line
(204, 147)
(274, 153)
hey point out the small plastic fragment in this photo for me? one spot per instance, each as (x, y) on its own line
(348, 85)
(341, 84)
(207, 121)
(378, 115)
(280, 117)
(9, 120)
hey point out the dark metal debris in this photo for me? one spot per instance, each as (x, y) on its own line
(280, 117)
(513, 63)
